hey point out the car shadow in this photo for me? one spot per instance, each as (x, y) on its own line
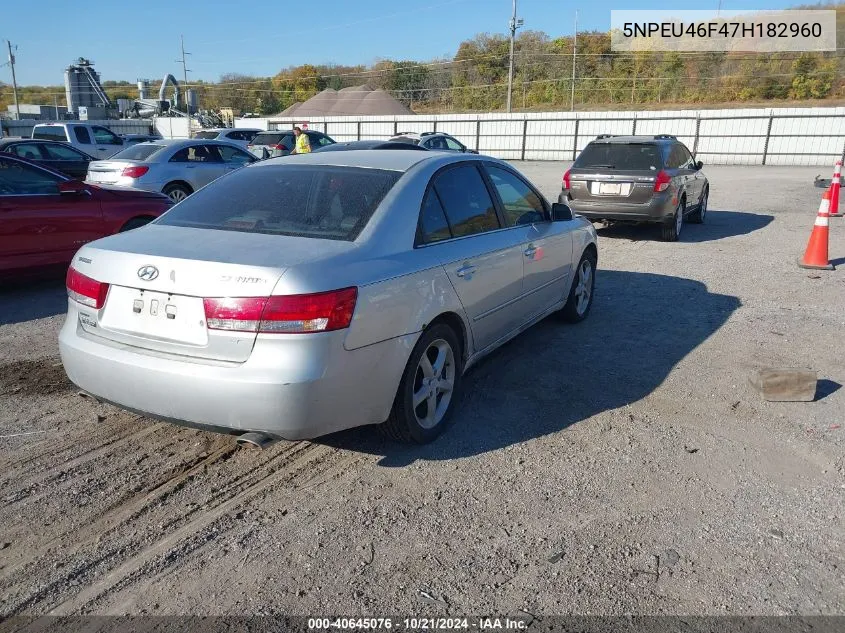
(33, 300)
(555, 375)
(717, 225)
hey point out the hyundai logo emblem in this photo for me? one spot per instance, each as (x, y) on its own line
(148, 273)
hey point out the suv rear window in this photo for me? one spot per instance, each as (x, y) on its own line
(139, 151)
(316, 201)
(621, 156)
(207, 134)
(269, 138)
(50, 133)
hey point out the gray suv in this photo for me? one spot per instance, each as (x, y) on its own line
(637, 179)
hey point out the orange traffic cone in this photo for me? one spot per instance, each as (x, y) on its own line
(816, 254)
(834, 191)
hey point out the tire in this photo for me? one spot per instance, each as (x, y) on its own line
(671, 231)
(404, 423)
(577, 305)
(134, 223)
(177, 192)
(700, 214)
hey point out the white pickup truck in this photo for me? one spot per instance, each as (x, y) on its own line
(95, 140)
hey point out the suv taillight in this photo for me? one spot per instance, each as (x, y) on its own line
(566, 179)
(661, 183)
(89, 292)
(286, 314)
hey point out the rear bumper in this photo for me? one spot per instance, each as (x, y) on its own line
(659, 209)
(292, 386)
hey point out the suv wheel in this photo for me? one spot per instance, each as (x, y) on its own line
(671, 231)
(697, 216)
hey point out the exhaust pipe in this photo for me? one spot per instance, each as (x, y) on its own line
(255, 440)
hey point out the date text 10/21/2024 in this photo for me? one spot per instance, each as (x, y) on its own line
(419, 624)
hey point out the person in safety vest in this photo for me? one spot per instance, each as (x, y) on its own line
(303, 145)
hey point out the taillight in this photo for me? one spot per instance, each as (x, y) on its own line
(661, 183)
(134, 172)
(89, 292)
(566, 182)
(287, 314)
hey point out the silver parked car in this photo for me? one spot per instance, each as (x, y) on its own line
(309, 294)
(176, 168)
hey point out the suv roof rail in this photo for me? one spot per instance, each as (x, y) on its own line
(428, 133)
(666, 137)
(600, 136)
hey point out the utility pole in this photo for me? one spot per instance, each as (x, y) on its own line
(185, 72)
(14, 81)
(574, 50)
(514, 25)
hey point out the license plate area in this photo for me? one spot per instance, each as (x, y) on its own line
(611, 188)
(155, 315)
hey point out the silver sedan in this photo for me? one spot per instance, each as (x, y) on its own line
(309, 294)
(176, 168)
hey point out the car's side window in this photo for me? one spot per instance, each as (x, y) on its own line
(453, 144)
(82, 135)
(433, 222)
(61, 152)
(19, 179)
(27, 150)
(197, 154)
(234, 156)
(686, 157)
(520, 202)
(675, 159)
(235, 136)
(321, 141)
(105, 136)
(466, 201)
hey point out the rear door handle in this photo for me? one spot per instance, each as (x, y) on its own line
(465, 271)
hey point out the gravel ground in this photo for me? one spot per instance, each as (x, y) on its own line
(623, 465)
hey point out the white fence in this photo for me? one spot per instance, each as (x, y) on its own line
(763, 136)
(168, 127)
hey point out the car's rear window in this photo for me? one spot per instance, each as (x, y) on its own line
(50, 133)
(622, 156)
(301, 200)
(140, 151)
(206, 134)
(268, 138)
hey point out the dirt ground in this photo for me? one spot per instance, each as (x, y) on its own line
(623, 465)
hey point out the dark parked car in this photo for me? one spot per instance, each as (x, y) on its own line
(280, 142)
(349, 145)
(438, 141)
(45, 216)
(54, 154)
(652, 179)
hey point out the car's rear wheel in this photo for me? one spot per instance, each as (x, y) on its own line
(671, 231)
(698, 216)
(177, 192)
(580, 298)
(429, 388)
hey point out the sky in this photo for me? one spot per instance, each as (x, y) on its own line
(131, 40)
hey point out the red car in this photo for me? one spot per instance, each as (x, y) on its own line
(45, 216)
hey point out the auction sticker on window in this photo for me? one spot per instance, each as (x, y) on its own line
(747, 31)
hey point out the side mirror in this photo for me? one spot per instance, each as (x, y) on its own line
(699, 165)
(72, 187)
(561, 212)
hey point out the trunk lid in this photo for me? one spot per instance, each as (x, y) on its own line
(158, 277)
(600, 185)
(108, 171)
